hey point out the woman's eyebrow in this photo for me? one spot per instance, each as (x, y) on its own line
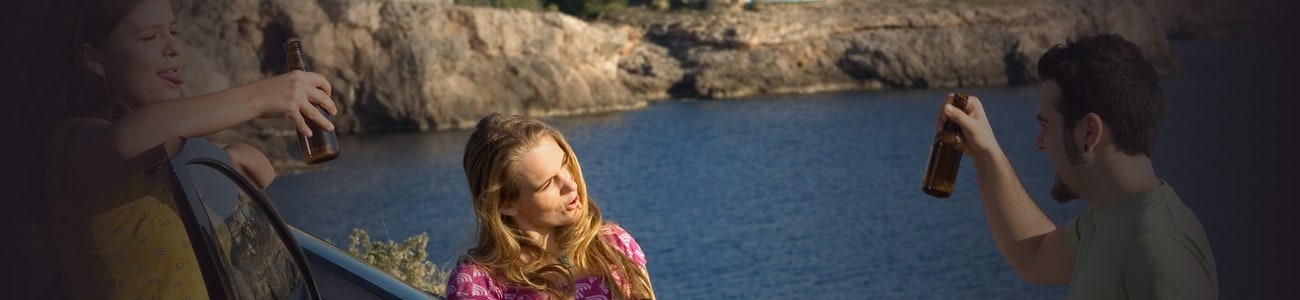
(147, 28)
(545, 184)
(548, 181)
(173, 22)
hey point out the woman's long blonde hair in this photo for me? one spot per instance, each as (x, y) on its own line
(492, 158)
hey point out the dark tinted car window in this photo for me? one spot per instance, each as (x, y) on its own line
(259, 262)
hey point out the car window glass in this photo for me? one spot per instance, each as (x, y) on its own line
(260, 264)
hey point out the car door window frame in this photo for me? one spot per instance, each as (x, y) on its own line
(214, 265)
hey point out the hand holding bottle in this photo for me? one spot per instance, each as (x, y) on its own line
(319, 143)
(977, 134)
(295, 95)
(945, 153)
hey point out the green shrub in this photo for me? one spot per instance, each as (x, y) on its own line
(578, 8)
(590, 8)
(688, 4)
(406, 260)
(533, 5)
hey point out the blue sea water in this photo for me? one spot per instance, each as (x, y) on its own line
(773, 197)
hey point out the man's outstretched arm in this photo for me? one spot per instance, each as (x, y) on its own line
(1035, 247)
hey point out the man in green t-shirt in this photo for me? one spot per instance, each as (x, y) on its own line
(1100, 107)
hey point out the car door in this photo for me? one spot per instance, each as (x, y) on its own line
(247, 251)
(243, 246)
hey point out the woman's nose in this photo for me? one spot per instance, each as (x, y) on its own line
(173, 46)
(570, 184)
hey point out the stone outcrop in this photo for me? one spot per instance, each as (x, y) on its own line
(404, 65)
(848, 45)
(411, 65)
(427, 65)
(649, 71)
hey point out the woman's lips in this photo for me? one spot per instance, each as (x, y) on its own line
(172, 75)
(573, 204)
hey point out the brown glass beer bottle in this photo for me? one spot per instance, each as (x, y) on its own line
(945, 156)
(323, 145)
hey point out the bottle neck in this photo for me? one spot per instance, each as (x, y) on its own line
(294, 57)
(958, 101)
(297, 62)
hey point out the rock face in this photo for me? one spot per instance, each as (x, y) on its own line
(427, 65)
(407, 65)
(649, 71)
(847, 45)
(398, 65)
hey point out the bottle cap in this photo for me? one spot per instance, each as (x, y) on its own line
(959, 100)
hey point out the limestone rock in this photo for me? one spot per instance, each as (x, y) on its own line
(410, 65)
(875, 44)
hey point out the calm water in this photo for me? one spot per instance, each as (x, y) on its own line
(772, 197)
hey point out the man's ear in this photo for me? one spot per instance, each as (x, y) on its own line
(1093, 129)
(92, 61)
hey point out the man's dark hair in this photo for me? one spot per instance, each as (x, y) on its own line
(1107, 75)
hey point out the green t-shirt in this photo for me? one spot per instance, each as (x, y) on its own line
(1148, 247)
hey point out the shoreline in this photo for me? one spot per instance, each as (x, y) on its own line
(405, 66)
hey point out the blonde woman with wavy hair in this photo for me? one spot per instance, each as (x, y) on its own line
(540, 235)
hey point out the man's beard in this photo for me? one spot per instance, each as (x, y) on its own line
(1062, 192)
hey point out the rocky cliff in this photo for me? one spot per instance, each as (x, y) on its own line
(875, 44)
(409, 65)
(426, 65)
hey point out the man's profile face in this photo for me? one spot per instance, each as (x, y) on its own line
(1053, 139)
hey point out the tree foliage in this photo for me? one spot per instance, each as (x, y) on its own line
(579, 8)
(407, 260)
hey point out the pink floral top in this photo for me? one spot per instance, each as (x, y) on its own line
(469, 281)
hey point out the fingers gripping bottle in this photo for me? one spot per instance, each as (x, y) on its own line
(945, 156)
(323, 145)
